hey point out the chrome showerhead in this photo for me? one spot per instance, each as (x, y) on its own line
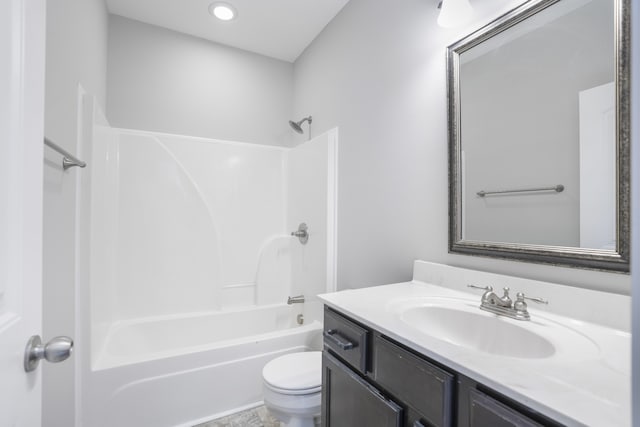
(297, 126)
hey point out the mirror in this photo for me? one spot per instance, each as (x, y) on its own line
(539, 136)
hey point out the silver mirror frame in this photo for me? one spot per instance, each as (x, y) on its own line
(616, 261)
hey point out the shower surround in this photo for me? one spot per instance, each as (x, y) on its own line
(186, 253)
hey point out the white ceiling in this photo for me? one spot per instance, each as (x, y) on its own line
(280, 29)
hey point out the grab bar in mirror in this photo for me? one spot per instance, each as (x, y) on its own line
(68, 160)
(558, 189)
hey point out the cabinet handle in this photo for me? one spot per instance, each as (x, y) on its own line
(417, 423)
(333, 336)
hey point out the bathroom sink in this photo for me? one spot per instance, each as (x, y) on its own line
(463, 324)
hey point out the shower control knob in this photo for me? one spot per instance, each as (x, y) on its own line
(302, 233)
(56, 350)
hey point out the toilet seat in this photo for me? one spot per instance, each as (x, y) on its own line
(295, 373)
(293, 392)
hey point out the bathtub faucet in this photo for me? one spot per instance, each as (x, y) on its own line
(295, 300)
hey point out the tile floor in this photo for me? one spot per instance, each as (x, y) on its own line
(256, 417)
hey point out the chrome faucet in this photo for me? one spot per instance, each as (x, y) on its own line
(491, 298)
(504, 305)
(295, 300)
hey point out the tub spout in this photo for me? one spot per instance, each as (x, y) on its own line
(295, 300)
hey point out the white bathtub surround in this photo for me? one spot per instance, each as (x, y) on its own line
(187, 211)
(169, 210)
(312, 194)
(189, 225)
(583, 384)
(187, 261)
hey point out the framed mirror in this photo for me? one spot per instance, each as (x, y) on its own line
(539, 136)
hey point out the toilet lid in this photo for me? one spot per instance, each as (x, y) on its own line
(295, 373)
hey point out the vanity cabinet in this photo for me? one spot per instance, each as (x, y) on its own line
(371, 380)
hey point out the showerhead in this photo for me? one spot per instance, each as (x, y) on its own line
(297, 126)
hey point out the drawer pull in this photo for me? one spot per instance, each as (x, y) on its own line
(333, 336)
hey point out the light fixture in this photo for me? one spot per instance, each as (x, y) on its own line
(454, 13)
(223, 11)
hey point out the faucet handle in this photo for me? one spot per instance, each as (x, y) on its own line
(521, 307)
(522, 297)
(505, 296)
(484, 288)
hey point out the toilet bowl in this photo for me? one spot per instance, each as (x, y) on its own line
(292, 386)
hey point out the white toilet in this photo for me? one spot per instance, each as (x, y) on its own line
(292, 386)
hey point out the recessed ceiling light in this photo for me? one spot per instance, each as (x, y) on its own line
(223, 11)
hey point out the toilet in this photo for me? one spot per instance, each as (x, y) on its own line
(292, 386)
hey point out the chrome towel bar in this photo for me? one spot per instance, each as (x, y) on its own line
(558, 189)
(68, 160)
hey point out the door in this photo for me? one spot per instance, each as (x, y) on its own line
(598, 192)
(22, 29)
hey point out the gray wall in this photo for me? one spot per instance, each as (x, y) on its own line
(76, 54)
(164, 81)
(378, 73)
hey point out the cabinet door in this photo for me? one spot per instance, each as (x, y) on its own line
(485, 411)
(348, 400)
(414, 381)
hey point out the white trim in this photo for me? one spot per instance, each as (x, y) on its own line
(332, 210)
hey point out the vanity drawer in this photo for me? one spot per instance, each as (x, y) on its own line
(411, 379)
(346, 339)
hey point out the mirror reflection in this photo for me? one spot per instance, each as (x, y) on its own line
(538, 130)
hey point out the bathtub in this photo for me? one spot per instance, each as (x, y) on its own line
(183, 370)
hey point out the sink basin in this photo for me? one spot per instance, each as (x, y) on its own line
(479, 332)
(463, 324)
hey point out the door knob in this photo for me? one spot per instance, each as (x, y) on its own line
(56, 350)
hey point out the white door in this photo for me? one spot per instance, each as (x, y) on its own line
(22, 29)
(598, 167)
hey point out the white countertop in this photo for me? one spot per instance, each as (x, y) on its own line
(575, 389)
